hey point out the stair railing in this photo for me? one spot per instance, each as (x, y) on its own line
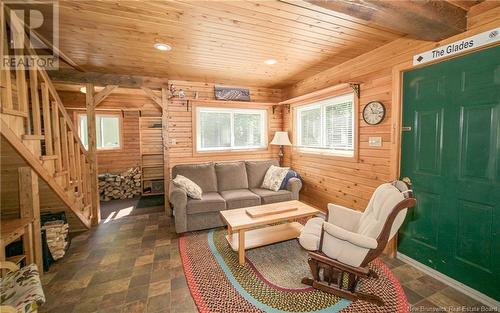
(32, 110)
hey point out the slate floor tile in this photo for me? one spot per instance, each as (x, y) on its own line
(133, 264)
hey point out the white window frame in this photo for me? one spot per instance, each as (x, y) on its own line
(323, 148)
(120, 126)
(232, 111)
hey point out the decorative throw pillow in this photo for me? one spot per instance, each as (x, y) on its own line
(191, 188)
(290, 174)
(274, 177)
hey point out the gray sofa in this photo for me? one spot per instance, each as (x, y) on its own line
(226, 185)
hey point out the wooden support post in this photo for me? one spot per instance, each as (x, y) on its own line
(78, 168)
(47, 127)
(166, 165)
(5, 81)
(35, 102)
(65, 150)
(18, 36)
(92, 152)
(71, 158)
(56, 136)
(29, 204)
(158, 100)
(99, 97)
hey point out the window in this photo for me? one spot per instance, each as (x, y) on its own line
(107, 131)
(327, 125)
(230, 129)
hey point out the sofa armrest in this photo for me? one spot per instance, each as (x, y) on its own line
(294, 185)
(178, 198)
(343, 217)
(356, 239)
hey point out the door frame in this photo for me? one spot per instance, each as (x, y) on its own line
(395, 169)
(397, 108)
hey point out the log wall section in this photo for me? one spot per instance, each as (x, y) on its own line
(127, 103)
(352, 183)
(181, 124)
(132, 103)
(10, 161)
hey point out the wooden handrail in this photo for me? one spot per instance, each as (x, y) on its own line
(40, 120)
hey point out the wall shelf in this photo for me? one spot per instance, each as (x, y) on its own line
(151, 144)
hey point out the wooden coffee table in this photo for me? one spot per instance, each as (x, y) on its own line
(251, 232)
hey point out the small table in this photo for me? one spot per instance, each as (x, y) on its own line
(249, 235)
(13, 229)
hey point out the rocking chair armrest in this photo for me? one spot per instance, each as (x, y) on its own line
(11, 266)
(356, 239)
(343, 217)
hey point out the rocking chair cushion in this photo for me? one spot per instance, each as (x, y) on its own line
(311, 233)
(343, 217)
(354, 238)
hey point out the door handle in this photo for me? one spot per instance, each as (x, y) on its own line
(406, 128)
(407, 180)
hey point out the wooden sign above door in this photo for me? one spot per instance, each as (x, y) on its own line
(457, 47)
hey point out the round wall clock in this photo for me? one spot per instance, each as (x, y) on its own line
(374, 112)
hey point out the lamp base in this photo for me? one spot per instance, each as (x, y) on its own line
(281, 155)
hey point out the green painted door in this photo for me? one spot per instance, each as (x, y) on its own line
(452, 156)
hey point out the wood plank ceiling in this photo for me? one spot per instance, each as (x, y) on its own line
(217, 41)
(222, 41)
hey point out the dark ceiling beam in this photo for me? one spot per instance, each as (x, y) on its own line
(431, 20)
(102, 79)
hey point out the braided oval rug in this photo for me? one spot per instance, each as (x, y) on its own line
(270, 279)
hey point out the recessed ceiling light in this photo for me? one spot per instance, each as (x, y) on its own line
(162, 46)
(271, 61)
(83, 90)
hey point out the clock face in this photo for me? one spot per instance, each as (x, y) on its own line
(374, 113)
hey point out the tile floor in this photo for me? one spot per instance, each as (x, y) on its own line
(131, 263)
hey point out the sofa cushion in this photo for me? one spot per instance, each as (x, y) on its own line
(209, 202)
(202, 174)
(291, 174)
(190, 187)
(269, 196)
(256, 170)
(240, 198)
(274, 177)
(231, 175)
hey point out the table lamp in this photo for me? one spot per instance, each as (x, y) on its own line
(281, 139)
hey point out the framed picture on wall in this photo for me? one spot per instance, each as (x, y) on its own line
(232, 93)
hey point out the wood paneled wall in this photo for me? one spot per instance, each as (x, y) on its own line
(10, 161)
(181, 123)
(352, 183)
(132, 102)
(129, 103)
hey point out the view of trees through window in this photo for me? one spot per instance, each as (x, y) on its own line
(107, 131)
(327, 124)
(220, 129)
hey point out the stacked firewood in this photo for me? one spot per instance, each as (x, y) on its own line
(120, 186)
(56, 232)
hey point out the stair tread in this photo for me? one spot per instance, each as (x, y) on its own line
(14, 112)
(33, 137)
(48, 157)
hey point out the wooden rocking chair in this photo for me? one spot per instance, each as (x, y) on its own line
(349, 240)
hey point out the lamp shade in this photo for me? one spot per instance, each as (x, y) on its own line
(281, 139)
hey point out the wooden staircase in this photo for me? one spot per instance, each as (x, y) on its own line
(35, 122)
